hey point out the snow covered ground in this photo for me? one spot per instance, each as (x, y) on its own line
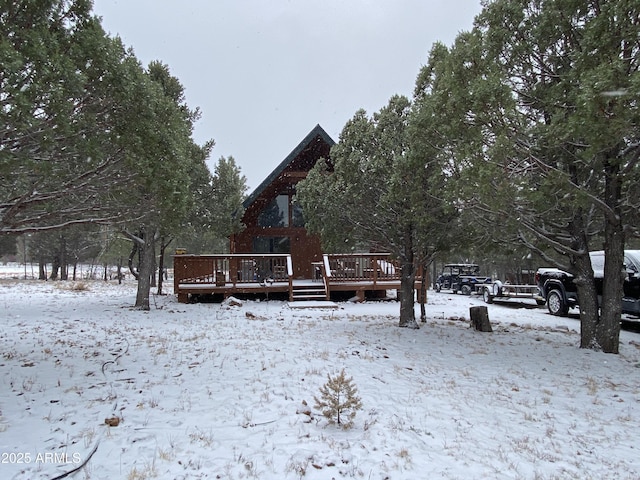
(211, 391)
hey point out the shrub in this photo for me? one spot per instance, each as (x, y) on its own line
(338, 400)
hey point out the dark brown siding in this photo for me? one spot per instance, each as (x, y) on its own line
(304, 248)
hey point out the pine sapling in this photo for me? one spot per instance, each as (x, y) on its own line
(339, 400)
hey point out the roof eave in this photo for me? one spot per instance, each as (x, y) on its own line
(317, 131)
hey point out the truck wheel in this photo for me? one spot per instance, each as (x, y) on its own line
(465, 290)
(438, 287)
(486, 295)
(556, 304)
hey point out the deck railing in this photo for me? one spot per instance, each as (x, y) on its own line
(231, 269)
(361, 267)
(255, 273)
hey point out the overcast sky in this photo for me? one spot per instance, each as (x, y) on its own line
(265, 72)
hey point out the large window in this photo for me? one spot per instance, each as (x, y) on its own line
(283, 211)
(271, 245)
(276, 214)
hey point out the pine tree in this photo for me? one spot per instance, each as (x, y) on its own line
(339, 399)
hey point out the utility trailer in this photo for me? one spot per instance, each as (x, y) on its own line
(507, 291)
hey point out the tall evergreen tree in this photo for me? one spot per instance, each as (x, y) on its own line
(543, 98)
(160, 156)
(63, 82)
(377, 192)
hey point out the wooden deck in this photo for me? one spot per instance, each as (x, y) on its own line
(233, 274)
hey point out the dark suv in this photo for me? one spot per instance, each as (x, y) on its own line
(560, 292)
(463, 277)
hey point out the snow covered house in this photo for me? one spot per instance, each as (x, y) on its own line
(274, 221)
(275, 254)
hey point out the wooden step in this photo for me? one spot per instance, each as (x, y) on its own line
(314, 293)
(308, 293)
(313, 304)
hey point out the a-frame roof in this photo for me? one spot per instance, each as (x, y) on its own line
(317, 131)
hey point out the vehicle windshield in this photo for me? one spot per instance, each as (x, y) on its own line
(630, 264)
(465, 269)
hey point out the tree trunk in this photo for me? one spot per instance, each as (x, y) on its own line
(62, 255)
(154, 269)
(608, 329)
(135, 251)
(145, 269)
(589, 312)
(480, 318)
(55, 267)
(407, 304)
(583, 278)
(163, 247)
(42, 269)
(120, 271)
(423, 292)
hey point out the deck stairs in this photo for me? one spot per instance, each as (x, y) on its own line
(309, 291)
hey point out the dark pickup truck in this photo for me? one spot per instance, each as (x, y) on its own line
(560, 292)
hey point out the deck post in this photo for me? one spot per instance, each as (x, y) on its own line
(233, 270)
(374, 267)
(326, 275)
(183, 297)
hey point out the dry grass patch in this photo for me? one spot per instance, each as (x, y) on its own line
(74, 286)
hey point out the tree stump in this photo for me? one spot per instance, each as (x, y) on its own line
(480, 318)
